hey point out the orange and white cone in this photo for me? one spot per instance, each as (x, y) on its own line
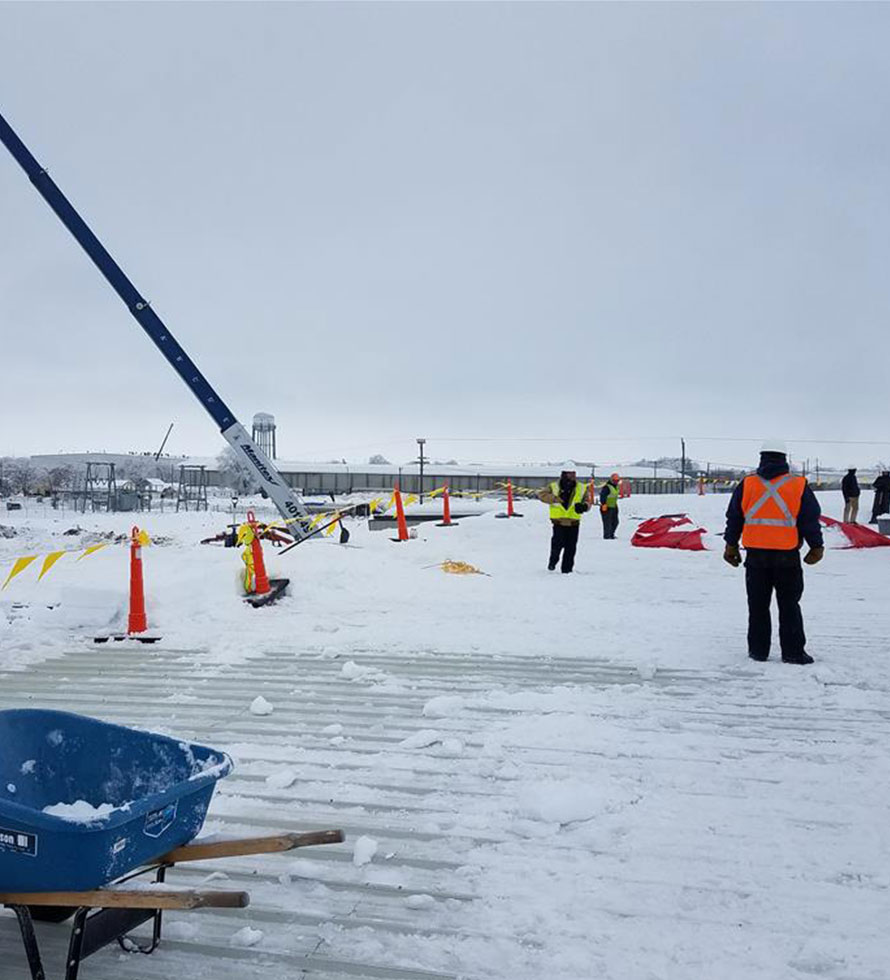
(260, 578)
(446, 510)
(137, 621)
(400, 516)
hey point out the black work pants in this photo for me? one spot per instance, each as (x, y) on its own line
(766, 572)
(610, 522)
(564, 540)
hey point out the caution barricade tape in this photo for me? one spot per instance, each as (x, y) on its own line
(49, 560)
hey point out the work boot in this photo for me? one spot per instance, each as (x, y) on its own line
(759, 656)
(797, 658)
(551, 566)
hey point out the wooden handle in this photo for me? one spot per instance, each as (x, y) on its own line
(137, 898)
(239, 846)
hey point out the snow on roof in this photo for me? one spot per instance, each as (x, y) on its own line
(539, 470)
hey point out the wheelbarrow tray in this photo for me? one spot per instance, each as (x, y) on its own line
(127, 797)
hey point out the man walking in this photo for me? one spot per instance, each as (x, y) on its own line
(850, 490)
(567, 499)
(771, 511)
(882, 496)
(609, 495)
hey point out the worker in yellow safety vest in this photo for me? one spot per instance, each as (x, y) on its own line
(609, 494)
(771, 512)
(568, 501)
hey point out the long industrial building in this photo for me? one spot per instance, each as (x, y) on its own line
(343, 478)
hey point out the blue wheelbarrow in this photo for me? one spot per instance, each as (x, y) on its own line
(85, 806)
(83, 802)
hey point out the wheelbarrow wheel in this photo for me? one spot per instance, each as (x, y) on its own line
(51, 913)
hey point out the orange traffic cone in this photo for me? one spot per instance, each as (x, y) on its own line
(260, 578)
(400, 516)
(511, 512)
(446, 510)
(137, 621)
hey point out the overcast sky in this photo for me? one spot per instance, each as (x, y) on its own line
(563, 230)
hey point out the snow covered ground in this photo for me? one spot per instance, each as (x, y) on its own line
(539, 775)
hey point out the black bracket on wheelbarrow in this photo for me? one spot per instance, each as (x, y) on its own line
(104, 916)
(93, 929)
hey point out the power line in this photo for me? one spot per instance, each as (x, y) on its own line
(661, 438)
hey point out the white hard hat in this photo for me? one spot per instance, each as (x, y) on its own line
(569, 467)
(774, 446)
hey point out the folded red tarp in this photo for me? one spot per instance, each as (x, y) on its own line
(858, 535)
(660, 532)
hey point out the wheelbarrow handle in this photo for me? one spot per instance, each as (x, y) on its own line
(238, 846)
(132, 898)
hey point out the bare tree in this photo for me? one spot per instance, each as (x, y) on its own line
(59, 478)
(5, 479)
(233, 475)
(22, 475)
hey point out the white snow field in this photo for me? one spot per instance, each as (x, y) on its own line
(539, 775)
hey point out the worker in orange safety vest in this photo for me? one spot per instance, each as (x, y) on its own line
(771, 512)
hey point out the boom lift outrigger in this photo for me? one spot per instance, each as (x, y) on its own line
(272, 484)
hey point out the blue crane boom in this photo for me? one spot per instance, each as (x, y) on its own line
(288, 502)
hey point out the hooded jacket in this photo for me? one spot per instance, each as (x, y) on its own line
(771, 466)
(850, 486)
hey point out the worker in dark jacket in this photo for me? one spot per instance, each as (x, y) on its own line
(771, 511)
(882, 496)
(609, 494)
(568, 501)
(850, 490)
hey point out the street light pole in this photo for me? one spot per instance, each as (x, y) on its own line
(683, 466)
(420, 444)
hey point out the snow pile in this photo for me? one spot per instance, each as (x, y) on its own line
(443, 706)
(421, 739)
(281, 779)
(260, 706)
(82, 812)
(566, 801)
(246, 937)
(363, 851)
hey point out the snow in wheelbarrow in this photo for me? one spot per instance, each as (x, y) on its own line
(83, 802)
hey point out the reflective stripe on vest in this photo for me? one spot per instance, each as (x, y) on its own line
(560, 513)
(771, 508)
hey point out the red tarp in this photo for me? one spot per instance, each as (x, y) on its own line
(858, 535)
(659, 532)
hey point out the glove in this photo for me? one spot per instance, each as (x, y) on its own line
(603, 508)
(732, 555)
(813, 556)
(581, 508)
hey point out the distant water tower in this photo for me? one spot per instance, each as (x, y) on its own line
(264, 433)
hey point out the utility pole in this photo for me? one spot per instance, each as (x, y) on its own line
(682, 466)
(164, 443)
(421, 443)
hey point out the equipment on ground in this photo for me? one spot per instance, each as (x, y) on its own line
(132, 803)
(290, 505)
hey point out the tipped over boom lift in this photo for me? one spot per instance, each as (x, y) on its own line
(289, 503)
